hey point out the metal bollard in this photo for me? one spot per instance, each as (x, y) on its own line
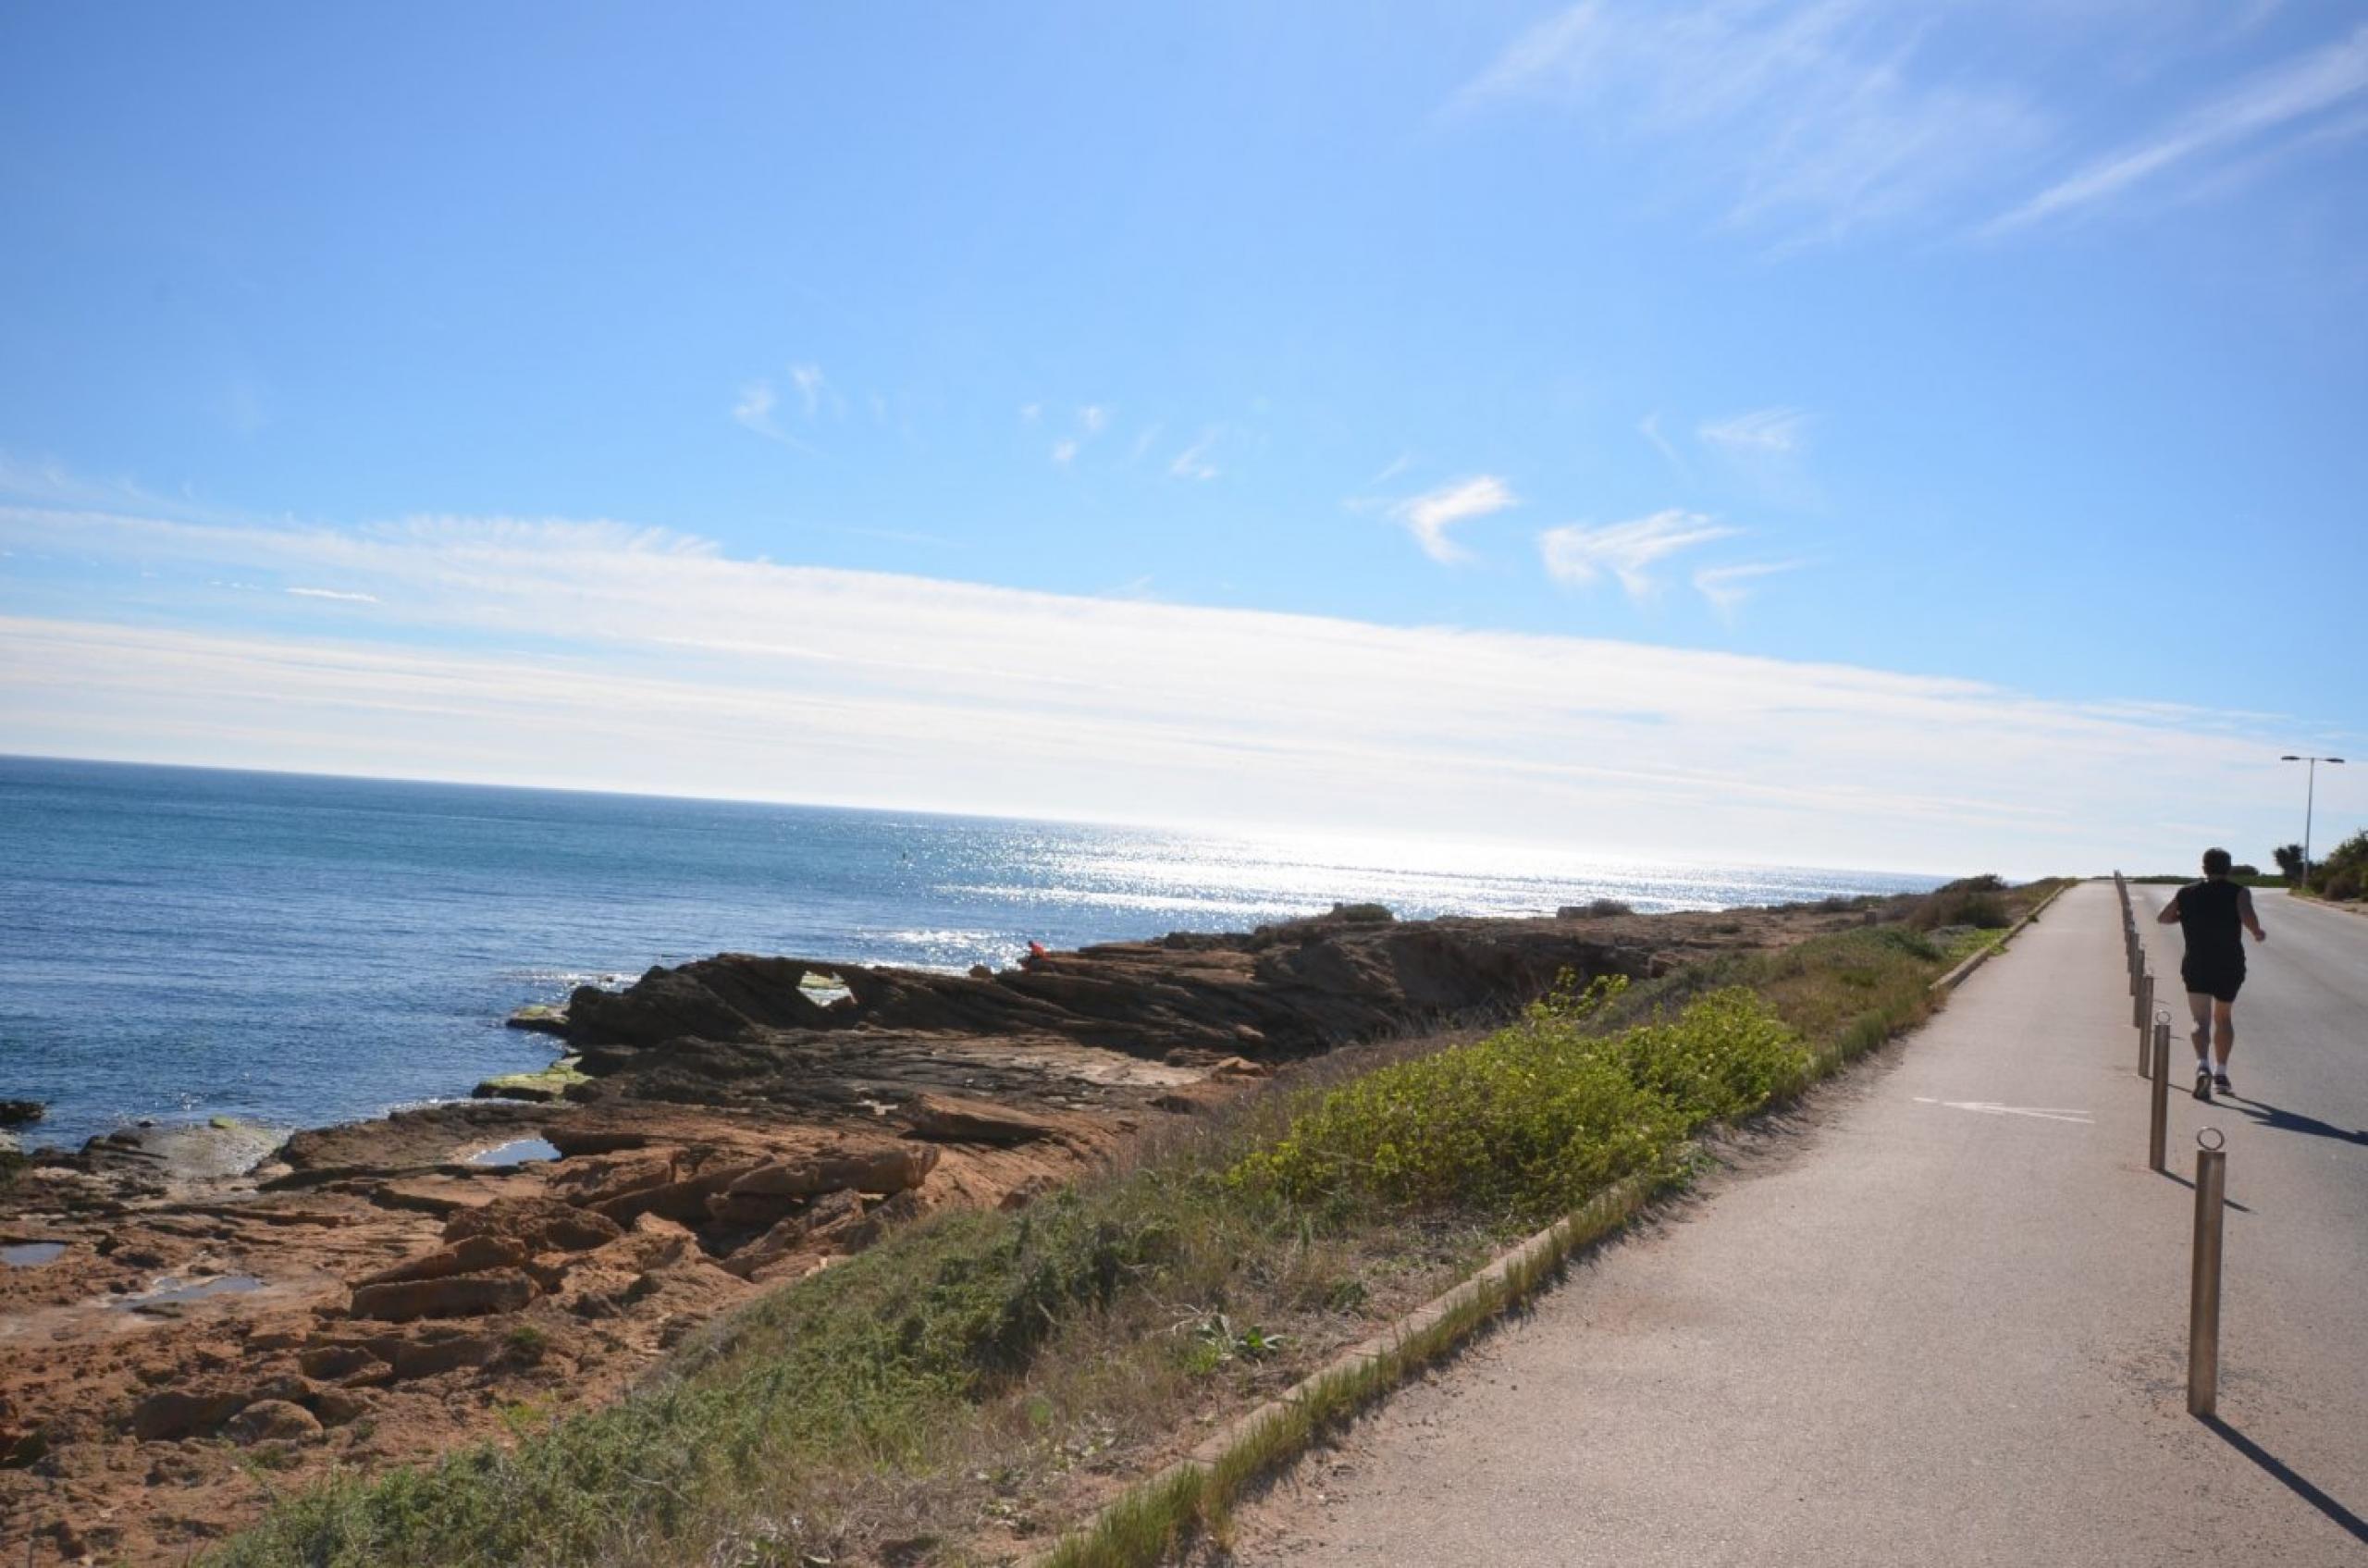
(2158, 1125)
(2203, 1292)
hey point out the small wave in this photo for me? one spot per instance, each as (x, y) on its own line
(1167, 902)
(608, 979)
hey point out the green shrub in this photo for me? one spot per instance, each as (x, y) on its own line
(2344, 872)
(1593, 910)
(1724, 1055)
(1534, 1119)
(1968, 901)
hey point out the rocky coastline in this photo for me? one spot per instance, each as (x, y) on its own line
(191, 1319)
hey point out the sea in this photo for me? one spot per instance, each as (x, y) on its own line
(177, 943)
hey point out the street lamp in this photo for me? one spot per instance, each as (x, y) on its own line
(2309, 799)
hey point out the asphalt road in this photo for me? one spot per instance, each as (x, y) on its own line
(1944, 1323)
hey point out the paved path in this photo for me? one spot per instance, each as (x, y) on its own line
(1946, 1325)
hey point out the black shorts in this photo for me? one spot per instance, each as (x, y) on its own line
(2219, 981)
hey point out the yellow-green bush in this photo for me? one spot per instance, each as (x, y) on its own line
(1537, 1118)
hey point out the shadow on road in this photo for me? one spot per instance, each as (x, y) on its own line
(2280, 1120)
(2175, 1176)
(2344, 1518)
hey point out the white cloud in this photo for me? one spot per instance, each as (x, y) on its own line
(1429, 516)
(1143, 443)
(2268, 102)
(1092, 418)
(1064, 451)
(755, 408)
(599, 655)
(810, 383)
(1821, 116)
(1727, 587)
(1579, 555)
(1193, 463)
(335, 593)
(1650, 429)
(755, 411)
(1778, 431)
(1030, 413)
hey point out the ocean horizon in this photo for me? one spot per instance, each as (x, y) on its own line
(296, 949)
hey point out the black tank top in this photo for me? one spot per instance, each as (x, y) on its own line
(2208, 920)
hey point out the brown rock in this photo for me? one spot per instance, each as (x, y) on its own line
(337, 1406)
(336, 1361)
(1027, 1193)
(178, 1412)
(783, 1239)
(946, 1119)
(270, 1419)
(1240, 1067)
(440, 1350)
(890, 1168)
(760, 1195)
(458, 1295)
(535, 1224)
(597, 1181)
(684, 1200)
(285, 1386)
(471, 1254)
(852, 1225)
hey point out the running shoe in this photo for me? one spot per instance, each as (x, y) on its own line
(2203, 1083)
(2220, 1082)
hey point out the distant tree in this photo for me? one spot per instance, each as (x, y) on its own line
(2290, 860)
(2241, 869)
(2344, 872)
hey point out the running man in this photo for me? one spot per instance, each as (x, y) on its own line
(2212, 917)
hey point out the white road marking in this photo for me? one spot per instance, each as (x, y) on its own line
(1985, 1107)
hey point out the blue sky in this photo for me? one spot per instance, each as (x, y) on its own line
(1748, 356)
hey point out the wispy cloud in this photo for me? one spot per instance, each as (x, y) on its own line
(1030, 413)
(1819, 117)
(51, 483)
(1193, 463)
(1650, 429)
(1766, 430)
(2270, 103)
(1091, 420)
(1727, 587)
(1579, 555)
(1429, 516)
(657, 662)
(812, 387)
(335, 593)
(755, 411)
(755, 408)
